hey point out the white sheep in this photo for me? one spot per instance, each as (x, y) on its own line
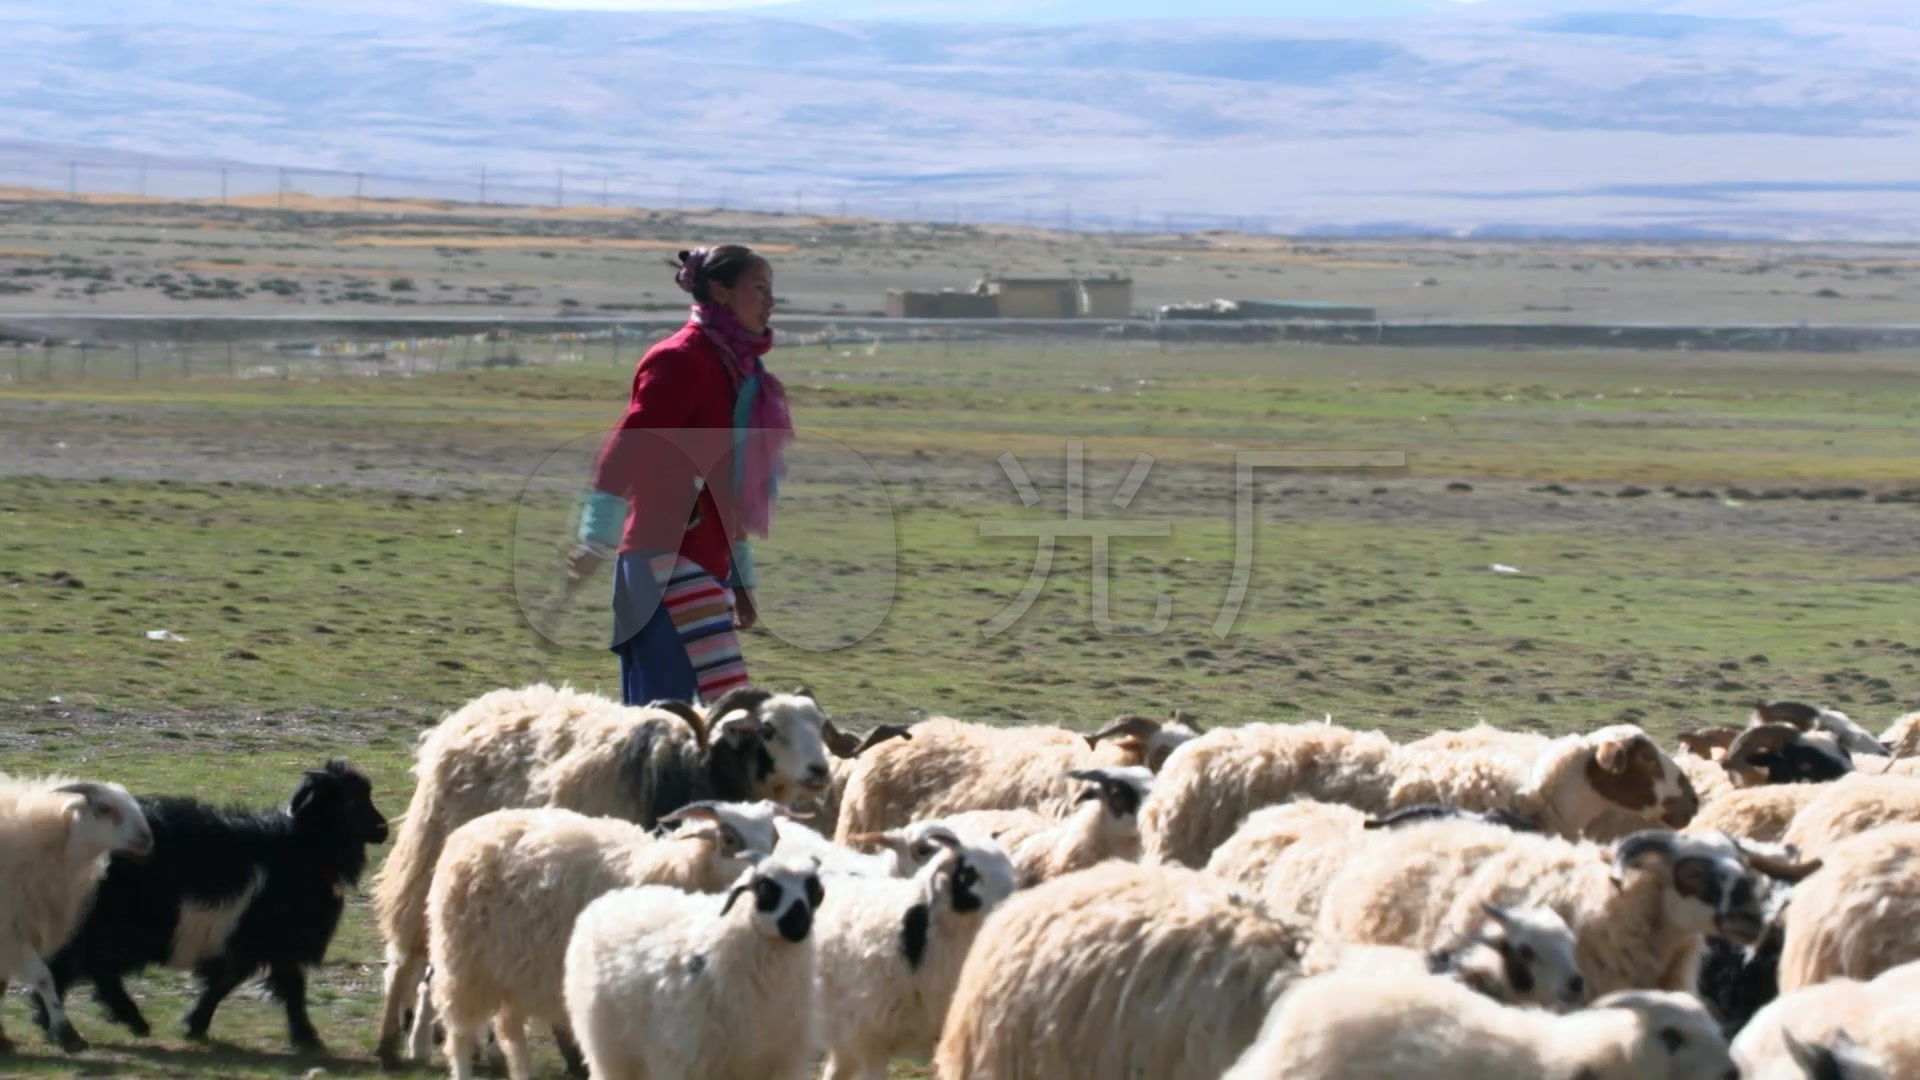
(1211, 784)
(1839, 1029)
(1856, 916)
(56, 838)
(950, 766)
(1342, 1026)
(1286, 854)
(1763, 813)
(1565, 788)
(545, 746)
(1525, 745)
(1852, 805)
(1105, 826)
(1121, 970)
(663, 983)
(1523, 956)
(888, 954)
(1638, 926)
(508, 886)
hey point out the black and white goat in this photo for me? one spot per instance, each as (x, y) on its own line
(226, 893)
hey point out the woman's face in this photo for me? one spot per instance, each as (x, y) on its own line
(750, 298)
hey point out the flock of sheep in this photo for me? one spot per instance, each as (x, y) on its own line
(737, 891)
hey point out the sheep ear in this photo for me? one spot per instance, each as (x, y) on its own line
(311, 785)
(1497, 914)
(1181, 716)
(842, 744)
(1612, 754)
(1815, 1061)
(881, 734)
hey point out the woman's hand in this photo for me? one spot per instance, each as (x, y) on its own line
(744, 615)
(583, 561)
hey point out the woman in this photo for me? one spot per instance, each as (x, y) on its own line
(696, 459)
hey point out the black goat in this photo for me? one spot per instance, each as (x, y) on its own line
(226, 893)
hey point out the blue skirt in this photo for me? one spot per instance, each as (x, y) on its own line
(654, 665)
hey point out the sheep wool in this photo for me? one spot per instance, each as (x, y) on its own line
(1121, 970)
(1859, 914)
(1857, 1030)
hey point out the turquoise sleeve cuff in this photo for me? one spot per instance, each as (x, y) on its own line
(602, 519)
(743, 565)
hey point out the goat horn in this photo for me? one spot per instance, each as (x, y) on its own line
(1797, 713)
(842, 744)
(1139, 727)
(1770, 737)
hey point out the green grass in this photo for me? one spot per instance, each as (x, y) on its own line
(341, 619)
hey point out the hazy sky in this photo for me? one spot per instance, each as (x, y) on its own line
(1048, 10)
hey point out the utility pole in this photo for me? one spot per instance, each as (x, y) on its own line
(483, 185)
(223, 185)
(73, 179)
(560, 187)
(359, 185)
(280, 197)
(603, 193)
(143, 179)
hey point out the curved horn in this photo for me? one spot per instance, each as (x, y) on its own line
(1182, 716)
(938, 834)
(1765, 738)
(1628, 852)
(1777, 867)
(91, 790)
(1139, 727)
(881, 734)
(1797, 713)
(706, 810)
(1498, 914)
(685, 712)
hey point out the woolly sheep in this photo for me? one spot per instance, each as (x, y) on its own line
(1737, 979)
(1637, 926)
(1210, 784)
(1858, 915)
(1525, 745)
(508, 886)
(1121, 970)
(1852, 805)
(1840, 1029)
(1341, 1026)
(888, 955)
(1902, 737)
(56, 838)
(1567, 787)
(952, 766)
(1106, 825)
(846, 750)
(227, 893)
(1523, 956)
(664, 983)
(1755, 813)
(541, 746)
(1784, 754)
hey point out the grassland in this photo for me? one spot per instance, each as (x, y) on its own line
(342, 561)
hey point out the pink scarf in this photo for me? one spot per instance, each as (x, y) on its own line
(760, 414)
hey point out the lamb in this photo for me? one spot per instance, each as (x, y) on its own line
(225, 894)
(1518, 957)
(1840, 1029)
(1339, 1025)
(664, 983)
(1123, 969)
(1857, 916)
(1567, 788)
(56, 839)
(1637, 926)
(888, 955)
(541, 746)
(508, 886)
(1210, 784)
(951, 766)
(1850, 806)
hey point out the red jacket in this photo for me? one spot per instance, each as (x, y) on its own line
(678, 426)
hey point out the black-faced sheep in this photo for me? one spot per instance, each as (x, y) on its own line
(509, 885)
(56, 839)
(542, 746)
(665, 983)
(228, 893)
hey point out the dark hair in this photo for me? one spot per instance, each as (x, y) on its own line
(723, 264)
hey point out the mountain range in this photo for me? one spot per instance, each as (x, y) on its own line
(1509, 117)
